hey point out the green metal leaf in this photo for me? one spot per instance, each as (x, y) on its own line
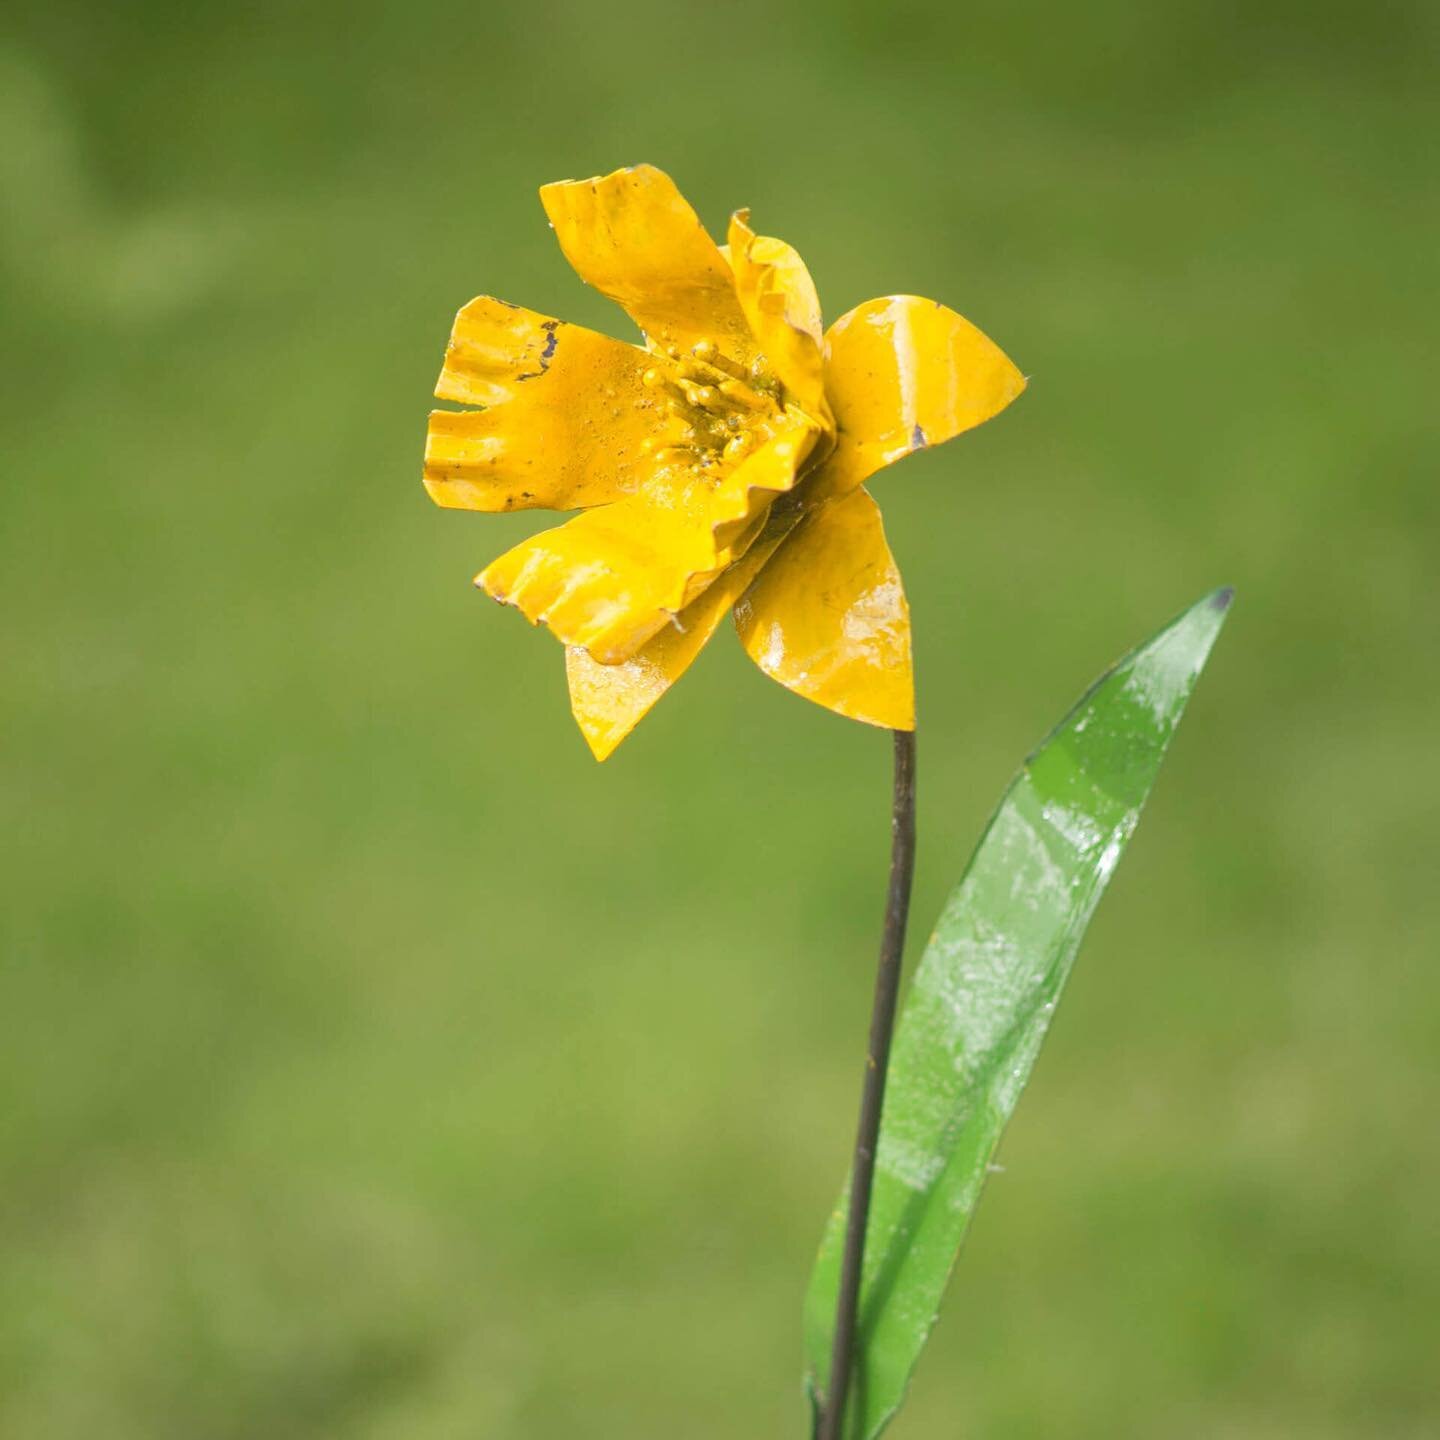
(981, 1002)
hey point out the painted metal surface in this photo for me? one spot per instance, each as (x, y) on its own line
(981, 1003)
(717, 466)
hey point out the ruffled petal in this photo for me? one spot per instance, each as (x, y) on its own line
(611, 578)
(566, 415)
(634, 237)
(783, 310)
(609, 701)
(902, 373)
(827, 616)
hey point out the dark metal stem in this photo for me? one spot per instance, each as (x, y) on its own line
(872, 1098)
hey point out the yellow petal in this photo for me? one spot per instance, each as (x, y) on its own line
(566, 418)
(827, 616)
(633, 236)
(902, 373)
(611, 578)
(779, 300)
(609, 701)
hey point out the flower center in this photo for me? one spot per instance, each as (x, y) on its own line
(716, 410)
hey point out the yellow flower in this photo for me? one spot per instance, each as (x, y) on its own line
(720, 467)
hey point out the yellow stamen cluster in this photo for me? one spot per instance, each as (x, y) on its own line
(715, 410)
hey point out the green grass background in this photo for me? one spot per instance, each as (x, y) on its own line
(376, 1066)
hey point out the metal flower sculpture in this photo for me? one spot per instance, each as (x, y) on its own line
(721, 467)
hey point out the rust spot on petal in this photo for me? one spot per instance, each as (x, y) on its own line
(552, 339)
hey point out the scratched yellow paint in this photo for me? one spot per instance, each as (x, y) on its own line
(831, 622)
(717, 465)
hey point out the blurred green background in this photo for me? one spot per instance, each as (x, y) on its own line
(374, 1064)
